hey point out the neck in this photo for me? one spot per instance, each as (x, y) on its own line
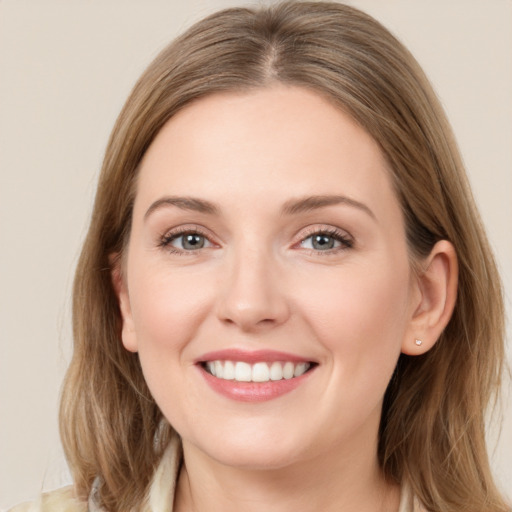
(345, 480)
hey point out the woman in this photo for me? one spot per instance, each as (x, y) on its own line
(285, 297)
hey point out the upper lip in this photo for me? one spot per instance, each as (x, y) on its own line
(251, 356)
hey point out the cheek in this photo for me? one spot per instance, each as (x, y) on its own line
(167, 307)
(359, 314)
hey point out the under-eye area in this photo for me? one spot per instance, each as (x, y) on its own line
(242, 371)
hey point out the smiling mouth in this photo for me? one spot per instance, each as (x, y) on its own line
(240, 371)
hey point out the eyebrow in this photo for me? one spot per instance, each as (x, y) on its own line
(291, 207)
(184, 203)
(309, 203)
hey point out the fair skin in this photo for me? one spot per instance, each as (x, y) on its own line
(292, 250)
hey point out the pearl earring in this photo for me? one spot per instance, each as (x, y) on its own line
(418, 342)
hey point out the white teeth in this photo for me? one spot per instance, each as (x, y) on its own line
(210, 366)
(258, 372)
(288, 370)
(276, 371)
(219, 369)
(243, 372)
(300, 369)
(229, 370)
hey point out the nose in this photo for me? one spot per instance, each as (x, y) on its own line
(250, 293)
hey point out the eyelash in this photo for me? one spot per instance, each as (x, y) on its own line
(338, 235)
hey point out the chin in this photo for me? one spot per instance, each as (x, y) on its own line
(255, 459)
(262, 452)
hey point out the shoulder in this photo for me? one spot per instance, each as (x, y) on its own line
(60, 500)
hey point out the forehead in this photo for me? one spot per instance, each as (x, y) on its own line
(263, 145)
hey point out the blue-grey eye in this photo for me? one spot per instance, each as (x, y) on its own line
(325, 241)
(189, 242)
(322, 242)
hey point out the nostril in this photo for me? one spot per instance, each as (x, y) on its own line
(256, 315)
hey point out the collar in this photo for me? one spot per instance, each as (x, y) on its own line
(163, 485)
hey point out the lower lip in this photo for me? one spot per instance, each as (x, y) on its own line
(253, 391)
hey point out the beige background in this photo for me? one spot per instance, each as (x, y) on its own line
(67, 66)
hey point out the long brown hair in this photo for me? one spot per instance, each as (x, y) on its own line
(432, 427)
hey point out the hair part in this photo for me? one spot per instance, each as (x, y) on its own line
(432, 430)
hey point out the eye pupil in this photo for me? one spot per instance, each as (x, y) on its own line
(323, 242)
(193, 241)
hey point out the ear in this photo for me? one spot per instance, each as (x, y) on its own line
(128, 336)
(436, 283)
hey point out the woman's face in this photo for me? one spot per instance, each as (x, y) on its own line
(267, 242)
